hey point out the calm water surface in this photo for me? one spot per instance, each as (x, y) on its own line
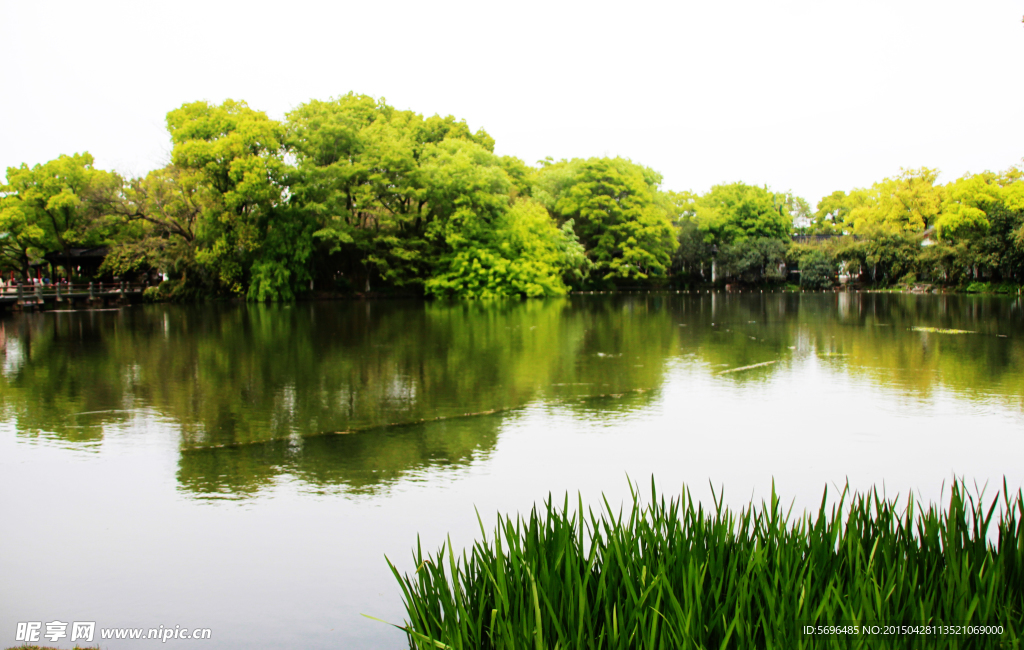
(247, 468)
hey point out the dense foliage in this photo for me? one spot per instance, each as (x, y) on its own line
(673, 575)
(911, 229)
(354, 195)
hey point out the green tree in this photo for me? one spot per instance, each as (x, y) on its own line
(891, 256)
(817, 270)
(834, 210)
(611, 202)
(908, 203)
(359, 174)
(758, 259)
(20, 237)
(799, 210)
(525, 254)
(157, 220)
(250, 239)
(490, 248)
(55, 207)
(733, 213)
(981, 216)
(693, 253)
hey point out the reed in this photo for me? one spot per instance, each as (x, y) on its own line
(672, 574)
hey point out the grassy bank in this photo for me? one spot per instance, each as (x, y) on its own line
(671, 574)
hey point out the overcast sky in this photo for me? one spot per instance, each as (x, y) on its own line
(809, 96)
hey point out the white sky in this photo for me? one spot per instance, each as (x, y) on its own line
(811, 96)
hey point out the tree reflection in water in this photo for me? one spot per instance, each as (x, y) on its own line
(262, 391)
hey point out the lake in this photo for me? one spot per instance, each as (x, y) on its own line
(247, 468)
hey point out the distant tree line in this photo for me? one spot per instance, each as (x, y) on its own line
(354, 195)
(909, 229)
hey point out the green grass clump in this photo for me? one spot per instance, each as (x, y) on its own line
(675, 575)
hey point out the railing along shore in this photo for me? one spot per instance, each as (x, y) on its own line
(36, 293)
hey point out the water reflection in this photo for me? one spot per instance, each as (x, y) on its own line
(237, 375)
(351, 463)
(253, 388)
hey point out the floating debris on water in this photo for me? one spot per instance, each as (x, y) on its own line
(755, 365)
(939, 330)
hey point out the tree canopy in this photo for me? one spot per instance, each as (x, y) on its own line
(351, 194)
(611, 203)
(731, 214)
(52, 207)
